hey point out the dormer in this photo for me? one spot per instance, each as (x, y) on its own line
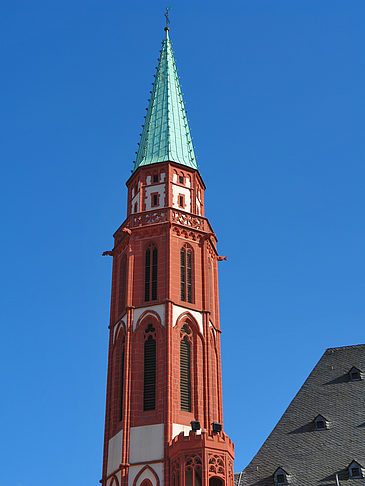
(355, 374)
(280, 477)
(320, 423)
(355, 470)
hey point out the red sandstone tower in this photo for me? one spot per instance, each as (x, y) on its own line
(164, 396)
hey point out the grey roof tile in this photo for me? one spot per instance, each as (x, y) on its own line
(313, 457)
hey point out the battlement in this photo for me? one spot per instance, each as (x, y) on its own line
(194, 441)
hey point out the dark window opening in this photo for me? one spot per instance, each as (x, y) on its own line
(181, 179)
(135, 207)
(155, 178)
(154, 274)
(149, 380)
(320, 423)
(150, 279)
(355, 470)
(215, 482)
(280, 476)
(196, 473)
(186, 277)
(182, 274)
(355, 374)
(181, 201)
(154, 200)
(185, 370)
(147, 278)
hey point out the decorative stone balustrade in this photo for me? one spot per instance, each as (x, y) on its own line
(163, 215)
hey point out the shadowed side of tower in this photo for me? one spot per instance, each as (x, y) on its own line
(164, 419)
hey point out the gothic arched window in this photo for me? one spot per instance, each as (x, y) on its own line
(186, 274)
(149, 377)
(175, 473)
(185, 368)
(150, 279)
(193, 470)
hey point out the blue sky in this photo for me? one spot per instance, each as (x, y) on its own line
(275, 98)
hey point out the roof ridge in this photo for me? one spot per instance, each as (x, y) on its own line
(351, 346)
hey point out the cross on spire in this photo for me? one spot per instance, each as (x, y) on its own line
(167, 18)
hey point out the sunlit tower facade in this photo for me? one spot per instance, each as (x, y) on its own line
(164, 418)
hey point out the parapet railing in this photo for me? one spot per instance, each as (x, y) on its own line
(163, 215)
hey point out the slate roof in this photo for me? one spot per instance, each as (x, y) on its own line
(166, 134)
(313, 457)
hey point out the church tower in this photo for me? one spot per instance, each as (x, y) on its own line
(164, 419)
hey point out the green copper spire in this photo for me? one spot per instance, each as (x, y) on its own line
(166, 135)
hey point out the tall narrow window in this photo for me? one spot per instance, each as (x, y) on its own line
(175, 473)
(147, 275)
(182, 274)
(186, 274)
(122, 379)
(193, 470)
(150, 274)
(149, 379)
(154, 199)
(185, 368)
(154, 274)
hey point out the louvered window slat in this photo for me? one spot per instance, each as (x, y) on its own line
(185, 375)
(154, 274)
(147, 275)
(150, 274)
(149, 385)
(188, 276)
(182, 274)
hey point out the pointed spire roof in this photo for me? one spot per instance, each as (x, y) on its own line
(166, 134)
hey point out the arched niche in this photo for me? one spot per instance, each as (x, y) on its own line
(146, 482)
(152, 478)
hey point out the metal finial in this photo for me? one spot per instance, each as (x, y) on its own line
(167, 18)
